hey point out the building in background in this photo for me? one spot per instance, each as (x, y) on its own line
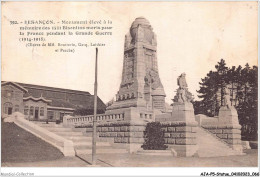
(41, 103)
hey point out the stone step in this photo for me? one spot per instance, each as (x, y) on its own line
(210, 146)
(101, 151)
(214, 136)
(59, 129)
(79, 129)
(50, 125)
(71, 133)
(39, 122)
(155, 152)
(89, 143)
(90, 147)
(77, 138)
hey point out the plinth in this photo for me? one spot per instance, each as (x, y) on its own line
(230, 127)
(180, 129)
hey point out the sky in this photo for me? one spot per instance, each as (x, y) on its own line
(191, 37)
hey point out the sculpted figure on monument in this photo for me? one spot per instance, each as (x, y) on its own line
(181, 81)
(152, 79)
(226, 98)
(183, 95)
(148, 79)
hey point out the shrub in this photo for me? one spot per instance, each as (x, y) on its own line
(154, 137)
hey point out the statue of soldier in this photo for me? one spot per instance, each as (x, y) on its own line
(181, 91)
(226, 98)
(181, 81)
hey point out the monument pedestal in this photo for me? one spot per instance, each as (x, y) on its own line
(180, 129)
(127, 134)
(183, 112)
(228, 116)
(229, 128)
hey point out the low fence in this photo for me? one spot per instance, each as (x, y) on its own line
(89, 119)
(102, 118)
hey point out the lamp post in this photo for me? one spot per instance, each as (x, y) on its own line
(94, 134)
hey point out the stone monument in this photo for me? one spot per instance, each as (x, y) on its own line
(228, 122)
(182, 106)
(141, 86)
(141, 99)
(180, 126)
(141, 94)
(227, 113)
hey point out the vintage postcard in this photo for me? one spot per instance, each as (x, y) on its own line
(129, 84)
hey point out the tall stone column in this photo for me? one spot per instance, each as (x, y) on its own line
(140, 86)
(141, 92)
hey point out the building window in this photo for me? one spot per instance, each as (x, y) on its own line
(50, 114)
(31, 110)
(26, 110)
(36, 112)
(8, 108)
(42, 111)
(16, 108)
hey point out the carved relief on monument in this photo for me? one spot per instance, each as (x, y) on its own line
(128, 41)
(149, 35)
(140, 36)
(152, 79)
(128, 74)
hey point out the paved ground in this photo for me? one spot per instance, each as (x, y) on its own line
(123, 160)
(126, 160)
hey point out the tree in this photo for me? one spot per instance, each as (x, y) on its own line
(232, 79)
(243, 85)
(221, 78)
(211, 89)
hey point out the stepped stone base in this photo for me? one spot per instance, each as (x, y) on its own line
(212, 146)
(130, 133)
(228, 128)
(231, 134)
(180, 137)
(180, 129)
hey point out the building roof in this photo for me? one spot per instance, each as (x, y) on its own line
(59, 97)
(40, 87)
(14, 84)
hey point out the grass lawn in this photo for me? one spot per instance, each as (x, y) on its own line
(19, 145)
